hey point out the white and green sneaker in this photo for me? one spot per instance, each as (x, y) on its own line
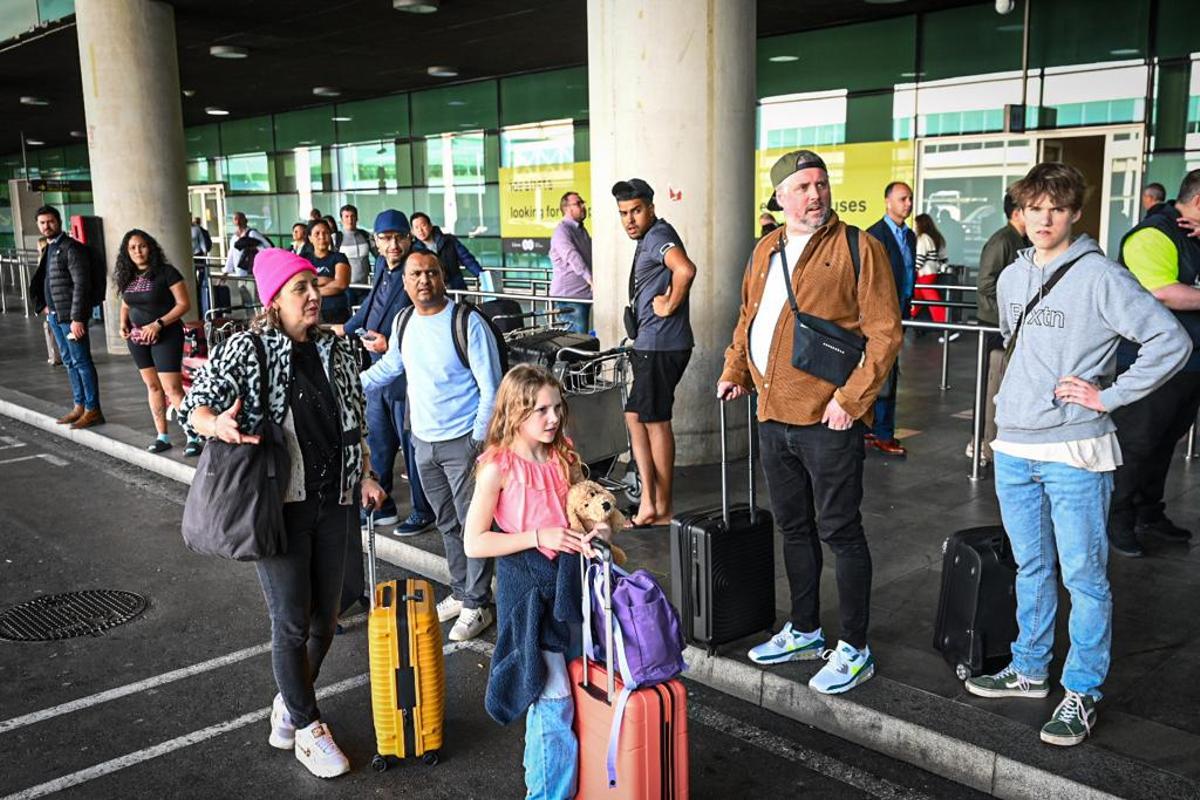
(1007, 683)
(847, 668)
(789, 645)
(1072, 721)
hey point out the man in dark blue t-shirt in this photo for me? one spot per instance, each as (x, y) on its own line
(659, 282)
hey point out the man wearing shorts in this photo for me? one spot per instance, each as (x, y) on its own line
(659, 282)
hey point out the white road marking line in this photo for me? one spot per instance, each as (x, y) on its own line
(810, 759)
(10, 442)
(9, 725)
(55, 460)
(196, 737)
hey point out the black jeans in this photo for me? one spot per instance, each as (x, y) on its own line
(1148, 431)
(302, 589)
(815, 476)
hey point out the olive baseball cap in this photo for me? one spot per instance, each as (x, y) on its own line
(793, 162)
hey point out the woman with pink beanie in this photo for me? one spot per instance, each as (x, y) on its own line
(314, 393)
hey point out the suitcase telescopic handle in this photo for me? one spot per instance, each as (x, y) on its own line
(371, 553)
(605, 557)
(725, 460)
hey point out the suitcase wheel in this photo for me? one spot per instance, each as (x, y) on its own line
(430, 759)
(962, 672)
(379, 763)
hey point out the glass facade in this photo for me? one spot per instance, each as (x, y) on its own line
(938, 99)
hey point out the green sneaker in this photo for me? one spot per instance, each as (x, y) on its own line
(1008, 683)
(1072, 720)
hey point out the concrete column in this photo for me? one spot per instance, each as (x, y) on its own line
(130, 67)
(671, 89)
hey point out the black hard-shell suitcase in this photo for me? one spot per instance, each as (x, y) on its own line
(542, 347)
(977, 606)
(507, 315)
(723, 563)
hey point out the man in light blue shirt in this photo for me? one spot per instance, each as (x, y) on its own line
(901, 245)
(451, 394)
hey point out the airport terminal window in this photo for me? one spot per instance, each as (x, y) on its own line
(17, 17)
(974, 40)
(468, 106)
(304, 128)
(380, 118)
(869, 118)
(369, 204)
(1068, 32)
(809, 120)
(51, 10)
(870, 55)
(202, 141)
(382, 166)
(1176, 33)
(1071, 97)
(464, 210)
(560, 94)
(254, 135)
(248, 173)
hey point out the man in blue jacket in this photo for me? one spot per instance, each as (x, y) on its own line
(901, 245)
(385, 404)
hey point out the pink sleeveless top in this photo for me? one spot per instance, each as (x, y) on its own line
(532, 496)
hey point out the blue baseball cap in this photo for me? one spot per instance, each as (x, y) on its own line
(392, 220)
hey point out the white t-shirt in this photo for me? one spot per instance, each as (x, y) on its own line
(773, 303)
(1099, 454)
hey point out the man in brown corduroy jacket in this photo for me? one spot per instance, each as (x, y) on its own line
(811, 431)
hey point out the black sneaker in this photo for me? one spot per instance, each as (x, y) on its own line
(193, 448)
(159, 446)
(1164, 529)
(1124, 542)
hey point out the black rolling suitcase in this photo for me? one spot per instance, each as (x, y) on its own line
(542, 347)
(977, 606)
(507, 315)
(723, 563)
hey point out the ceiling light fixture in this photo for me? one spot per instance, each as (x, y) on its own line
(189, 92)
(342, 119)
(228, 51)
(457, 103)
(34, 101)
(34, 142)
(327, 91)
(442, 71)
(783, 59)
(1125, 51)
(79, 134)
(215, 111)
(416, 6)
(885, 2)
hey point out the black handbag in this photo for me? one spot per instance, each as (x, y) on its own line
(234, 508)
(822, 348)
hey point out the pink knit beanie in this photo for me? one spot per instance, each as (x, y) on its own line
(273, 267)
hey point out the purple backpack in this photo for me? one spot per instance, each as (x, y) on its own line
(647, 639)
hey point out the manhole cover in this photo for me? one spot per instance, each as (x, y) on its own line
(63, 616)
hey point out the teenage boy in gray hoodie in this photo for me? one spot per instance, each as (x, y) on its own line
(1056, 446)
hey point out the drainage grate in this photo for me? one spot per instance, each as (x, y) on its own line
(64, 616)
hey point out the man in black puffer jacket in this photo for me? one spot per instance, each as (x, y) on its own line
(453, 254)
(62, 288)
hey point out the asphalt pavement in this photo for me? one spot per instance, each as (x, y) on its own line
(174, 703)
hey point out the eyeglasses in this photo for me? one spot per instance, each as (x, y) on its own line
(389, 238)
(581, 203)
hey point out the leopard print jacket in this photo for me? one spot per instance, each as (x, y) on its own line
(233, 372)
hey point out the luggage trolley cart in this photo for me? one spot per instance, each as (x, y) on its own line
(202, 342)
(596, 386)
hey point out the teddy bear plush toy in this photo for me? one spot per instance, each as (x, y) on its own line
(589, 504)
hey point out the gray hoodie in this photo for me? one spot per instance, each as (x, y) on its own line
(1075, 330)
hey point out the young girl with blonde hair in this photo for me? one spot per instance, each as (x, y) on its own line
(524, 473)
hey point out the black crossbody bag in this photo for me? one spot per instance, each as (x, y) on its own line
(820, 347)
(630, 317)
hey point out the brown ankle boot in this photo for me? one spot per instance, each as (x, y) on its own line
(72, 415)
(93, 417)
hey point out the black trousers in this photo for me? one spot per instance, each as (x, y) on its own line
(1148, 431)
(815, 476)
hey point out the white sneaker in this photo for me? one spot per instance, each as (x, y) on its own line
(283, 732)
(846, 668)
(449, 608)
(471, 623)
(319, 753)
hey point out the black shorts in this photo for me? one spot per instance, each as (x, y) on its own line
(165, 355)
(656, 373)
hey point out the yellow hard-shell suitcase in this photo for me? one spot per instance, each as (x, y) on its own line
(408, 677)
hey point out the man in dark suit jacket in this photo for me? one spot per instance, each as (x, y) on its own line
(901, 245)
(385, 407)
(62, 288)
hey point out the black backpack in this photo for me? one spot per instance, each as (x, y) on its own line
(247, 247)
(460, 325)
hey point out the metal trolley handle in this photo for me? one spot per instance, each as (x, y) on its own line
(750, 407)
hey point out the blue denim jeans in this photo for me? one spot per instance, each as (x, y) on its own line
(77, 358)
(1056, 512)
(551, 749)
(385, 437)
(577, 315)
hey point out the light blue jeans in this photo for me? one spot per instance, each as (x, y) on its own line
(551, 749)
(1052, 512)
